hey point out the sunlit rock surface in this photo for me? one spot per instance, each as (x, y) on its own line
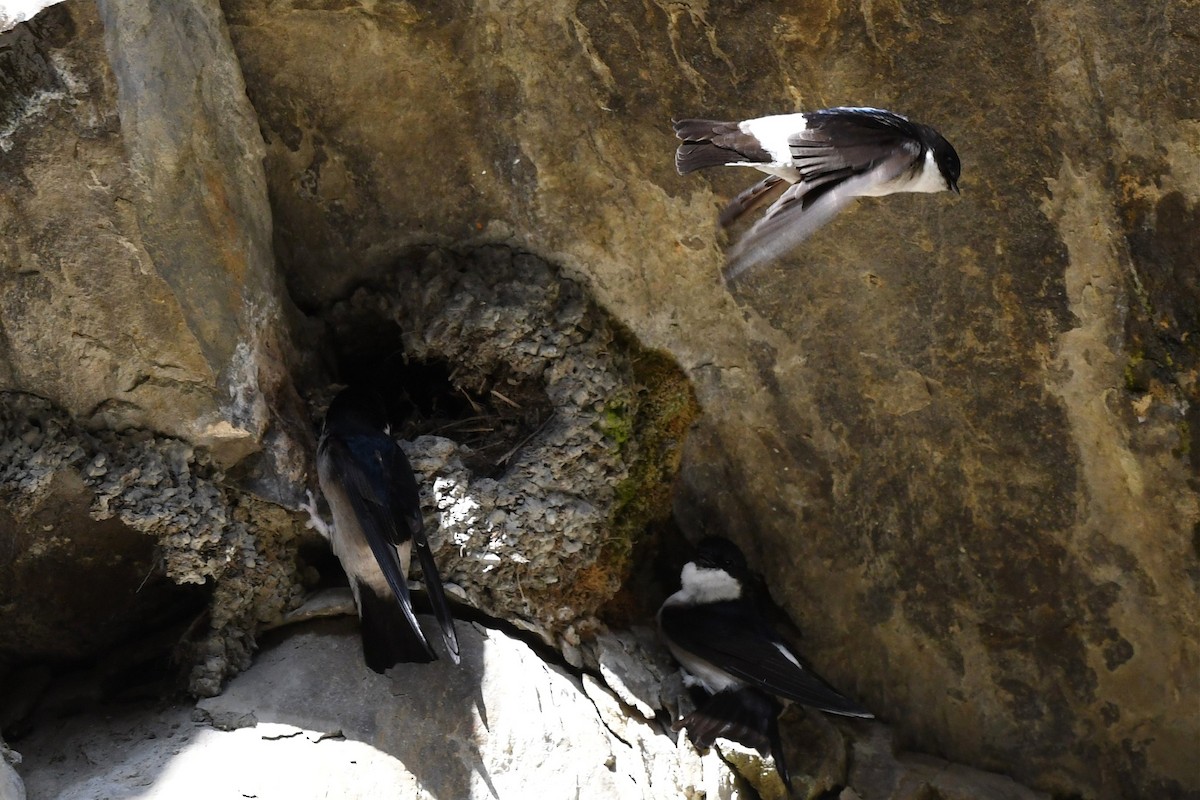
(309, 720)
(138, 279)
(959, 436)
(11, 785)
(956, 433)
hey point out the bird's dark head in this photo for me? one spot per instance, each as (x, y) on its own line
(946, 158)
(716, 552)
(717, 572)
(356, 409)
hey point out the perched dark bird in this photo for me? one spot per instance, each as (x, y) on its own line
(377, 523)
(713, 627)
(816, 162)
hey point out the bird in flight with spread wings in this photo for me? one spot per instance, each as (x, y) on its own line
(816, 162)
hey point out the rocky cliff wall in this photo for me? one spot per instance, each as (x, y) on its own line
(956, 434)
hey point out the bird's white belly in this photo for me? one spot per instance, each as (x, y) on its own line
(711, 678)
(789, 174)
(349, 542)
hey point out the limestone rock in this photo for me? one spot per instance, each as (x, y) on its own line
(759, 772)
(663, 767)
(309, 719)
(143, 345)
(137, 231)
(170, 153)
(634, 664)
(100, 526)
(11, 785)
(162, 754)
(14, 12)
(879, 773)
(142, 340)
(956, 434)
(502, 722)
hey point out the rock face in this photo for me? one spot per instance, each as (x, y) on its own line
(309, 719)
(142, 341)
(535, 525)
(11, 785)
(100, 527)
(955, 433)
(959, 436)
(188, 458)
(137, 244)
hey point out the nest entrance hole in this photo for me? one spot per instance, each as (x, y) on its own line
(492, 415)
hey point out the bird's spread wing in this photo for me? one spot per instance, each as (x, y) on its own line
(752, 653)
(803, 208)
(372, 493)
(768, 189)
(841, 154)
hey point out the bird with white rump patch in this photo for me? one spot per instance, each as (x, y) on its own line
(817, 163)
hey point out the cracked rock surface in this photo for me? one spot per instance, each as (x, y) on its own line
(163, 496)
(307, 720)
(543, 538)
(958, 436)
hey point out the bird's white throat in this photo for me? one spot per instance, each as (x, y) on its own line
(700, 585)
(929, 177)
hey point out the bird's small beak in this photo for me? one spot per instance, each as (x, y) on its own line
(954, 186)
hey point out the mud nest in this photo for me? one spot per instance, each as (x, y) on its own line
(172, 492)
(544, 438)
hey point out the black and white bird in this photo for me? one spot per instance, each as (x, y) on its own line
(816, 162)
(713, 627)
(377, 524)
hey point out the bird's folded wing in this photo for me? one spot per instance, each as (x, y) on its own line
(746, 652)
(388, 487)
(404, 497)
(841, 143)
(383, 525)
(437, 597)
(365, 467)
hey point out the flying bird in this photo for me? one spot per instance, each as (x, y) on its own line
(377, 524)
(816, 162)
(713, 627)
